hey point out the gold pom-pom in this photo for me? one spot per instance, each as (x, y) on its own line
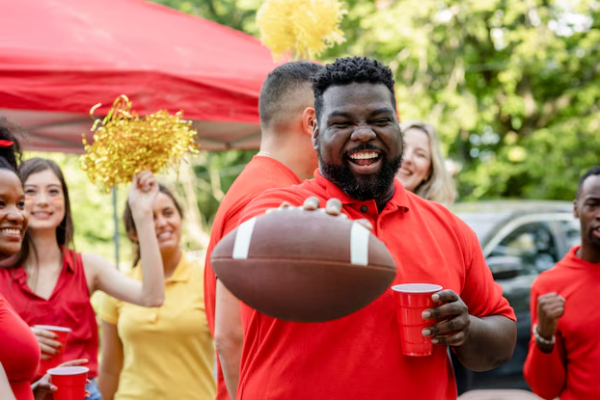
(302, 27)
(125, 144)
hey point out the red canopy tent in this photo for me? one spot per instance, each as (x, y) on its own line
(60, 57)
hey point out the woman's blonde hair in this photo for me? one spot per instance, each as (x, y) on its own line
(440, 186)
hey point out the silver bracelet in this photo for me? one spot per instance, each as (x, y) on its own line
(541, 339)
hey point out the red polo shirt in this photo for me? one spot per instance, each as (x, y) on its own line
(260, 175)
(359, 356)
(68, 306)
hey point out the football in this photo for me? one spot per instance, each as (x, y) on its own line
(303, 266)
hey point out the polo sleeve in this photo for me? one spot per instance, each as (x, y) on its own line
(232, 222)
(481, 294)
(109, 310)
(545, 373)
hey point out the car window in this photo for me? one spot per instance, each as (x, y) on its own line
(532, 243)
(571, 230)
(482, 223)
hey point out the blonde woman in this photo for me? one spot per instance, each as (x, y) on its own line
(423, 170)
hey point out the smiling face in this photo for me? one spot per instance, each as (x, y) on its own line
(587, 209)
(167, 222)
(13, 216)
(416, 161)
(358, 140)
(45, 201)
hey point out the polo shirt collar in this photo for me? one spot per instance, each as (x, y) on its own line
(399, 200)
(182, 273)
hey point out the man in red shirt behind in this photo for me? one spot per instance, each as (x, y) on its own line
(286, 158)
(358, 357)
(564, 355)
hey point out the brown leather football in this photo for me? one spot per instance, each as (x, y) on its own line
(303, 266)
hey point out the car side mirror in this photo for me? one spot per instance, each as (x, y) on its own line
(505, 267)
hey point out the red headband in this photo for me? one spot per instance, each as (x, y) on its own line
(6, 143)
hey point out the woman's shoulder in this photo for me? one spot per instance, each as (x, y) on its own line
(194, 263)
(87, 260)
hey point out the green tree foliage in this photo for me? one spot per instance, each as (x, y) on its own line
(214, 174)
(512, 85)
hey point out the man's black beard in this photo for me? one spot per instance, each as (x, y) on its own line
(362, 187)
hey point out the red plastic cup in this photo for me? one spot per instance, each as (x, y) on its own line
(69, 381)
(412, 300)
(62, 336)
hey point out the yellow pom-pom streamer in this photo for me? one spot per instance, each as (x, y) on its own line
(302, 27)
(125, 144)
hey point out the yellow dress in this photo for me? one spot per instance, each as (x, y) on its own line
(168, 351)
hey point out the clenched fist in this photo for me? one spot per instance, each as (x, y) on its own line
(550, 308)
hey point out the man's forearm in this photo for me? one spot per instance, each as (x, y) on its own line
(229, 337)
(490, 343)
(230, 365)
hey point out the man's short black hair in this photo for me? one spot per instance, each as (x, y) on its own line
(590, 172)
(282, 81)
(345, 71)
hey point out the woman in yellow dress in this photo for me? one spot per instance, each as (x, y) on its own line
(165, 352)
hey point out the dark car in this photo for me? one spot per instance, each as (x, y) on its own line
(519, 239)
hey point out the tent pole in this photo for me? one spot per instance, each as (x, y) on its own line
(116, 222)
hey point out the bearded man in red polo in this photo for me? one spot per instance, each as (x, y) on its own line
(359, 145)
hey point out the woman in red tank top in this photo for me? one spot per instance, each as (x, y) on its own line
(19, 351)
(50, 284)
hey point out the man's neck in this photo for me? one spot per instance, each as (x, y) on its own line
(589, 253)
(287, 154)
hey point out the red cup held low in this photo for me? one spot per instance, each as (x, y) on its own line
(70, 382)
(412, 299)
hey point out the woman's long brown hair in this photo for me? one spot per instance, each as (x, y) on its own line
(65, 231)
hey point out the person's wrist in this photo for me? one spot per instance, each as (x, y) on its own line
(543, 333)
(141, 215)
(543, 343)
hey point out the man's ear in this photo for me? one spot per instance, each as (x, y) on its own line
(575, 209)
(309, 121)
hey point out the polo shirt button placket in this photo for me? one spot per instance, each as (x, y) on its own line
(364, 209)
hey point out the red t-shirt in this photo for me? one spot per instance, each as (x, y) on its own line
(68, 306)
(571, 371)
(359, 356)
(260, 175)
(19, 351)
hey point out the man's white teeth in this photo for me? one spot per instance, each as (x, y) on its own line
(164, 235)
(363, 156)
(10, 231)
